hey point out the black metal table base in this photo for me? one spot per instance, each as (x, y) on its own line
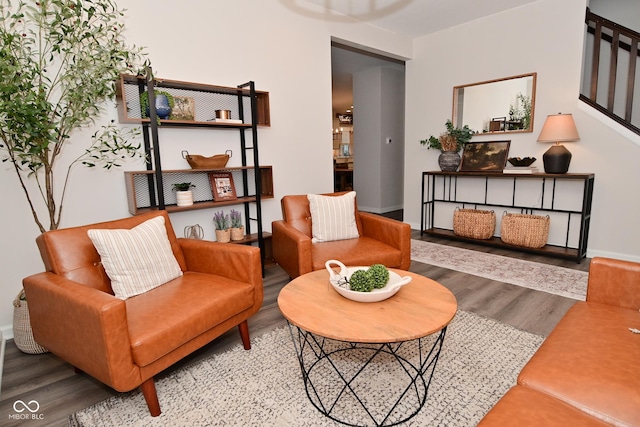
(380, 384)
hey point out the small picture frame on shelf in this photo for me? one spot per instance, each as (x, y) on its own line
(222, 186)
(183, 108)
(485, 156)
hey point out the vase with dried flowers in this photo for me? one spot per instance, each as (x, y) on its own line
(237, 229)
(449, 143)
(221, 222)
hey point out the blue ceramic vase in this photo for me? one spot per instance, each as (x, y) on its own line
(163, 109)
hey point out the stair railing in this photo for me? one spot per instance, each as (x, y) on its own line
(619, 39)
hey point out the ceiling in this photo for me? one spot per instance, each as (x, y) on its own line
(413, 18)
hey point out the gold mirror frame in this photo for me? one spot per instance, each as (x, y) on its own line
(496, 106)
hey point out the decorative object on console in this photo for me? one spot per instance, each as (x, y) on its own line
(201, 162)
(530, 231)
(221, 222)
(449, 143)
(474, 223)
(521, 165)
(237, 229)
(485, 156)
(521, 161)
(558, 128)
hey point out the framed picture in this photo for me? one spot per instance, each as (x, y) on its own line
(485, 156)
(346, 119)
(222, 186)
(183, 108)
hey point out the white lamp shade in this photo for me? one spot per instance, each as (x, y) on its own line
(559, 128)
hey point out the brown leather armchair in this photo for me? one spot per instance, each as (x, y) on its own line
(382, 240)
(124, 343)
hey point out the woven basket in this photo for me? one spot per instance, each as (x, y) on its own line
(529, 231)
(22, 333)
(474, 223)
(200, 162)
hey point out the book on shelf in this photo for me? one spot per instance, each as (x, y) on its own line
(520, 169)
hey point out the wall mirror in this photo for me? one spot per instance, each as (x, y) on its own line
(496, 106)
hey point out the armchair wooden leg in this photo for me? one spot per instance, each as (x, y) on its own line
(151, 397)
(244, 334)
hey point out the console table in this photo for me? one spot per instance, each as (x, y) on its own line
(440, 189)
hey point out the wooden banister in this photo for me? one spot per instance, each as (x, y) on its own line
(619, 38)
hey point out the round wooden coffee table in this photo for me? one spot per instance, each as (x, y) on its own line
(367, 362)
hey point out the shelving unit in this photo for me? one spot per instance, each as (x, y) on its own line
(444, 188)
(152, 188)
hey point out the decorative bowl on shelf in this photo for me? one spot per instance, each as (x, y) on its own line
(521, 161)
(339, 281)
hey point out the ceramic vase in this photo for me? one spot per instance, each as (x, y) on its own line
(237, 233)
(163, 110)
(223, 236)
(184, 198)
(449, 161)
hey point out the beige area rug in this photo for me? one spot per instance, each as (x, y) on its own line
(480, 361)
(533, 275)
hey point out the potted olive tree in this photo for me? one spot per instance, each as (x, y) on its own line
(449, 143)
(59, 60)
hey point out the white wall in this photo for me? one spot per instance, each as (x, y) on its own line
(222, 43)
(549, 41)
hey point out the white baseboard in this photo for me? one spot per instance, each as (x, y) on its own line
(379, 210)
(2, 344)
(614, 255)
(7, 332)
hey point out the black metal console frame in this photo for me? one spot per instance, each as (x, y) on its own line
(449, 195)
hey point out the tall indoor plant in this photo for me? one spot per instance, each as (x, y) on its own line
(449, 143)
(59, 60)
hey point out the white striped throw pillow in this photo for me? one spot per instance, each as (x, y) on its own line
(136, 260)
(333, 217)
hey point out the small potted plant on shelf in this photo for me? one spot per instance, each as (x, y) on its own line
(237, 230)
(221, 222)
(449, 143)
(184, 195)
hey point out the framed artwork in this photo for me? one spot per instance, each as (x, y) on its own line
(183, 108)
(222, 186)
(485, 156)
(346, 119)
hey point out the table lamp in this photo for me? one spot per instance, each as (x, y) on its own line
(558, 128)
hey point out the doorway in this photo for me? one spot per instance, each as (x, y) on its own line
(368, 127)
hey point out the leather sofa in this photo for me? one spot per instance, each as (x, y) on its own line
(124, 343)
(587, 371)
(382, 240)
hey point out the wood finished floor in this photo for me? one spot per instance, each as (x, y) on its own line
(60, 391)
